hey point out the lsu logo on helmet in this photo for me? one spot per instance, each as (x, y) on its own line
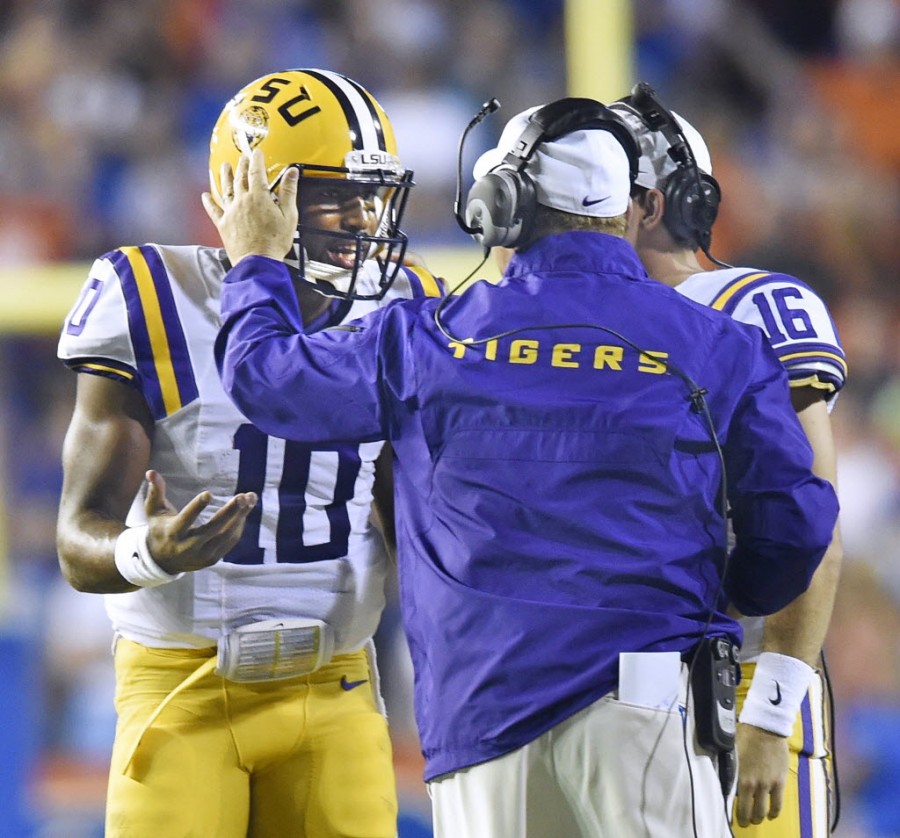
(249, 127)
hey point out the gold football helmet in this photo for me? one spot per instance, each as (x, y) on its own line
(329, 127)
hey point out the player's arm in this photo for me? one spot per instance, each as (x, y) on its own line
(105, 454)
(105, 457)
(783, 515)
(799, 629)
(796, 632)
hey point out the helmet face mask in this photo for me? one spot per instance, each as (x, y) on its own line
(343, 223)
(352, 188)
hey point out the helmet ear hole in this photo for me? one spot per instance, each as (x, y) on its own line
(502, 204)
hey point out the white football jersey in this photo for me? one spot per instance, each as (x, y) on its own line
(799, 329)
(149, 316)
(792, 315)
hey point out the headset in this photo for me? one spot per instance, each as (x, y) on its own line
(501, 205)
(692, 196)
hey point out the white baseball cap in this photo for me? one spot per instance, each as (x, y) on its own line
(655, 164)
(583, 173)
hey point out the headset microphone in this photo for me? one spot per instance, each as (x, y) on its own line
(487, 108)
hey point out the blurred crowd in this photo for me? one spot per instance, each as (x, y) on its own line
(105, 114)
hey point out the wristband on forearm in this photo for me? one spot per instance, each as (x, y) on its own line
(776, 692)
(134, 562)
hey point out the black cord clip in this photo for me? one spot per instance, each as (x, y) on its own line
(697, 399)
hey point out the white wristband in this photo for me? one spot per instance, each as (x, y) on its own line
(776, 692)
(134, 562)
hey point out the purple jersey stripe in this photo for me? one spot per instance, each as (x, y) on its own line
(803, 769)
(812, 346)
(423, 284)
(729, 296)
(105, 367)
(140, 336)
(732, 303)
(178, 347)
(765, 278)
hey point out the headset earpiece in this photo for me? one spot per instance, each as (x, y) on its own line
(692, 196)
(692, 204)
(501, 205)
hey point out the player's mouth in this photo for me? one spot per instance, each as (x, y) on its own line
(342, 258)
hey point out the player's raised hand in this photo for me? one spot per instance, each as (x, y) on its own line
(175, 544)
(254, 220)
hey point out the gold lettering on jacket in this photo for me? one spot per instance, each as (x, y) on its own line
(565, 355)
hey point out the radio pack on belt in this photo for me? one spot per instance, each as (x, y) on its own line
(714, 678)
(715, 673)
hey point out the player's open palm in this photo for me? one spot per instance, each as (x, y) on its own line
(176, 542)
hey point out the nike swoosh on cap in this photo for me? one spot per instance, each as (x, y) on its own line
(350, 685)
(586, 202)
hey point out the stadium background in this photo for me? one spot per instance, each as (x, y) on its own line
(105, 113)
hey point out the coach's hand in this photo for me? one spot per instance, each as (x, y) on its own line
(175, 544)
(763, 761)
(254, 220)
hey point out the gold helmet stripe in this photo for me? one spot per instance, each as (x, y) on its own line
(362, 117)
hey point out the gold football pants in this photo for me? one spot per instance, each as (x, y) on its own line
(809, 790)
(307, 757)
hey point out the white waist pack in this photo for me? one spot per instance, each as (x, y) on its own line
(272, 650)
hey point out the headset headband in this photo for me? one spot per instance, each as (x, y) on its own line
(565, 116)
(692, 196)
(657, 117)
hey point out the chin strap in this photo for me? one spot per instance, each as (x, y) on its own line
(338, 277)
(314, 272)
